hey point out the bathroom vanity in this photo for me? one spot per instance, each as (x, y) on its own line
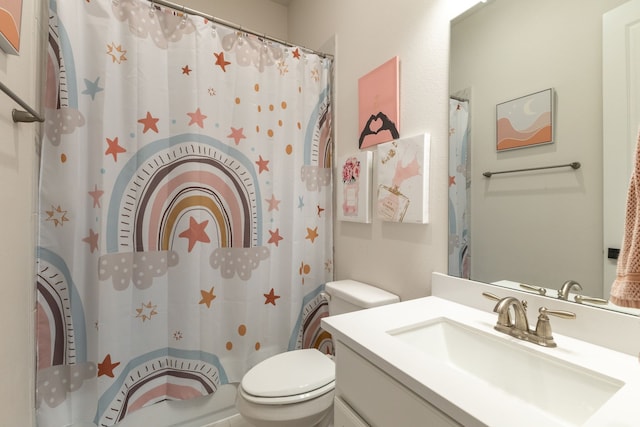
(438, 361)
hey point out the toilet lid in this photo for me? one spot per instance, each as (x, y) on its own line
(290, 373)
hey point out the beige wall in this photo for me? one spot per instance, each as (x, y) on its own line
(18, 163)
(396, 257)
(260, 16)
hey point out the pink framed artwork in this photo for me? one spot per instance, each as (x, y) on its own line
(10, 19)
(378, 105)
(526, 121)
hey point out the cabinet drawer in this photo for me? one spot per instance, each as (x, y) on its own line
(378, 399)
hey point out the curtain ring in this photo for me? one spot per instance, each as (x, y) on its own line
(183, 23)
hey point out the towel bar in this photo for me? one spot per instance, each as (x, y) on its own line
(573, 165)
(21, 116)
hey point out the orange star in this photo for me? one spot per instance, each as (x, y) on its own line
(263, 165)
(92, 240)
(107, 367)
(312, 234)
(275, 237)
(117, 53)
(186, 70)
(95, 195)
(149, 122)
(195, 233)
(236, 134)
(146, 311)
(57, 215)
(197, 118)
(296, 53)
(452, 180)
(271, 297)
(207, 297)
(220, 61)
(114, 148)
(273, 203)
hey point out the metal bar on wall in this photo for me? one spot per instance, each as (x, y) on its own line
(189, 11)
(573, 165)
(28, 116)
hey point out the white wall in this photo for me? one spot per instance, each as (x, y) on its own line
(18, 162)
(541, 228)
(396, 257)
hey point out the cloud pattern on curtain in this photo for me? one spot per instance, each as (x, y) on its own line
(185, 208)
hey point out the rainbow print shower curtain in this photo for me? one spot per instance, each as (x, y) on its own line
(185, 208)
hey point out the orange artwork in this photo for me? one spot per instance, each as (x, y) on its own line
(10, 18)
(378, 105)
(526, 121)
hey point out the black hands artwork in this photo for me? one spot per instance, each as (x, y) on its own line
(376, 124)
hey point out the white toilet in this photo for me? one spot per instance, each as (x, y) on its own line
(295, 388)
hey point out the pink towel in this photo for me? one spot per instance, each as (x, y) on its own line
(625, 290)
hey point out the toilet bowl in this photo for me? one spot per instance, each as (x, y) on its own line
(283, 391)
(296, 388)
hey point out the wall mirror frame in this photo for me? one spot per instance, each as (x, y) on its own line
(541, 227)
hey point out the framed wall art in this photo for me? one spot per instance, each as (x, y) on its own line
(403, 180)
(354, 187)
(526, 121)
(10, 20)
(378, 105)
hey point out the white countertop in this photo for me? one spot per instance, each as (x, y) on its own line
(472, 402)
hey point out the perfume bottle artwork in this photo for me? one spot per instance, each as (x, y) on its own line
(350, 178)
(402, 176)
(392, 204)
(353, 191)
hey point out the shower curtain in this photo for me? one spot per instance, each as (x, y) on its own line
(459, 185)
(185, 208)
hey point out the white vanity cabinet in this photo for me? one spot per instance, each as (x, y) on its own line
(367, 396)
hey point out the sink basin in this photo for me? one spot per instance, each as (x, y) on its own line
(563, 390)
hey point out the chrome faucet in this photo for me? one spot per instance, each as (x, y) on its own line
(519, 326)
(563, 292)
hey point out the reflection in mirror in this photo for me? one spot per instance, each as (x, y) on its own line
(541, 227)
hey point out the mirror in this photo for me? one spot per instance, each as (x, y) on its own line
(540, 227)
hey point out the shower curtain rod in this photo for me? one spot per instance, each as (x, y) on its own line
(189, 11)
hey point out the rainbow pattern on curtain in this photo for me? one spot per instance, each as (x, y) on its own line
(185, 208)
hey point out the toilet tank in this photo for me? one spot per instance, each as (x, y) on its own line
(350, 295)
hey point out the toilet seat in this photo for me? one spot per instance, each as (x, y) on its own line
(290, 377)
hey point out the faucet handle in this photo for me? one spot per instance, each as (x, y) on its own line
(543, 327)
(494, 297)
(538, 289)
(593, 300)
(491, 296)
